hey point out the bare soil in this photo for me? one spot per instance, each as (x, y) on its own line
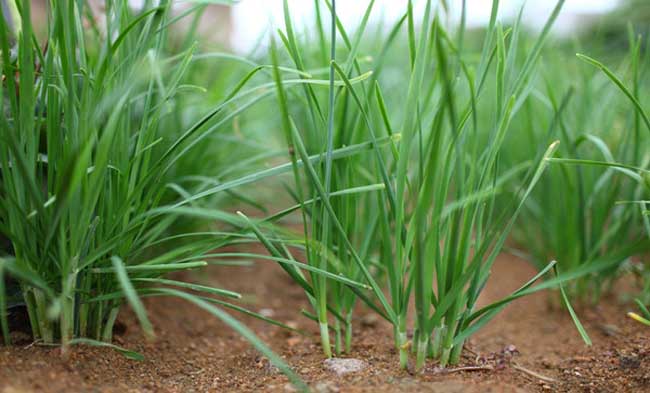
(530, 347)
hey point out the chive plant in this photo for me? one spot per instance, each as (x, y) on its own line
(634, 168)
(434, 230)
(338, 196)
(90, 176)
(448, 232)
(586, 225)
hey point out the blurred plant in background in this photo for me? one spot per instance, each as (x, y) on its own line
(609, 35)
(576, 215)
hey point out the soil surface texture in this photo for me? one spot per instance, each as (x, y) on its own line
(530, 347)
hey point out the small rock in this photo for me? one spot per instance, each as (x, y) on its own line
(610, 330)
(344, 366)
(289, 388)
(267, 313)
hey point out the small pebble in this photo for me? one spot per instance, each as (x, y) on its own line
(344, 366)
(267, 312)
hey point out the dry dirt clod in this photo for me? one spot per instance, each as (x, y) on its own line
(344, 366)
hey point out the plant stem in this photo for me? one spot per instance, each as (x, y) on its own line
(31, 312)
(325, 339)
(338, 341)
(447, 346)
(401, 343)
(107, 335)
(421, 354)
(66, 320)
(98, 314)
(45, 326)
(348, 332)
(67, 310)
(456, 351)
(438, 333)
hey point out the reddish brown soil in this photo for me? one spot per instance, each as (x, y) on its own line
(194, 352)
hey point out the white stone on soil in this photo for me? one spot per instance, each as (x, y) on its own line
(344, 366)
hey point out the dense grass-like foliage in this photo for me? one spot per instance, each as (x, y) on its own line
(577, 215)
(95, 166)
(406, 153)
(431, 228)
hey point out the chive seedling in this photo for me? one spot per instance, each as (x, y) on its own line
(340, 230)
